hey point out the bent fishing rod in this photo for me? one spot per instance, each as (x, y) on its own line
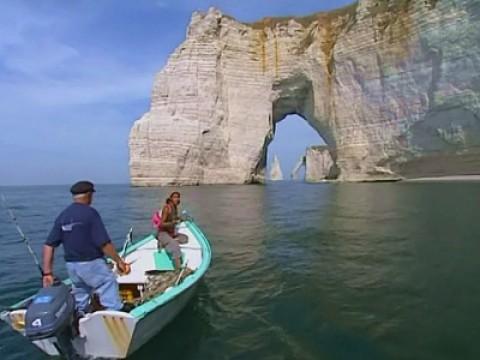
(22, 234)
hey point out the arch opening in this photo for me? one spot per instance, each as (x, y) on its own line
(293, 137)
(294, 101)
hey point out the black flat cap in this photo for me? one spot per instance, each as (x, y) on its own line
(82, 187)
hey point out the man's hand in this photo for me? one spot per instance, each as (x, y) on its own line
(123, 267)
(47, 280)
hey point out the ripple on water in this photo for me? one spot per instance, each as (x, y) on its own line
(344, 271)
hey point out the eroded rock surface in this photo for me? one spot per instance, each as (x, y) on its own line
(319, 164)
(392, 86)
(276, 173)
(295, 175)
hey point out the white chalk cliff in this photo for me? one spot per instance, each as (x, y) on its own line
(276, 170)
(295, 175)
(393, 86)
(319, 164)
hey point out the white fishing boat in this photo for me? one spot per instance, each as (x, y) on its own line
(115, 334)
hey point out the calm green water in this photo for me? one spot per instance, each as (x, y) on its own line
(351, 271)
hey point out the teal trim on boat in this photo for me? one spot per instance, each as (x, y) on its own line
(136, 245)
(144, 309)
(67, 281)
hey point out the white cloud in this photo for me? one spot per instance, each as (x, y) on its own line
(162, 4)
(44, 70)
(118, 86)
(64, 99)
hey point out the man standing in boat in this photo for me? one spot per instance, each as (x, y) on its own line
(85, 243)
(167, 236)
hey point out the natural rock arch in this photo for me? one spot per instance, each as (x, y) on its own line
(294, 95)
(392, 86)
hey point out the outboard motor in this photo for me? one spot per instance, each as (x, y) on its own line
(51, 315)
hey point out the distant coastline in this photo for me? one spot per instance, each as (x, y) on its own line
(446, 178)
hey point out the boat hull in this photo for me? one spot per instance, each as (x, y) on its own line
(148, 327)
(116, 335)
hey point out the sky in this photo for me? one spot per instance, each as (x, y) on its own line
(288, 151)
(75, 75)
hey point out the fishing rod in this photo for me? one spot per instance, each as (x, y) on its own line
(22, 234)
(127, 243)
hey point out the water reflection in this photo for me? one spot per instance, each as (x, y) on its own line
(330, 271)
(183, 337)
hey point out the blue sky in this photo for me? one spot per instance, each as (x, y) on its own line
(75, 75)
(287, 150)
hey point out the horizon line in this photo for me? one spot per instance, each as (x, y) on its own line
(64, 184)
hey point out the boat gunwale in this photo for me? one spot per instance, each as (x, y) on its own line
(141, 311)
(162, 299)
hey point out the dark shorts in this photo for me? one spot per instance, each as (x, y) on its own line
(170, 244)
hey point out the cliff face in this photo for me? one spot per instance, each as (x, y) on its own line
(295, 175)
(319, 164)
(276, 170)
(392, 86)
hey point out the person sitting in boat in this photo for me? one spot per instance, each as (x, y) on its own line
(85, 243)
(167, 236)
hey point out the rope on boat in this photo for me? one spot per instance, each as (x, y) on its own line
(157, 283)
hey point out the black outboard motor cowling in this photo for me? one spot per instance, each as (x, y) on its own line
(50, 313)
